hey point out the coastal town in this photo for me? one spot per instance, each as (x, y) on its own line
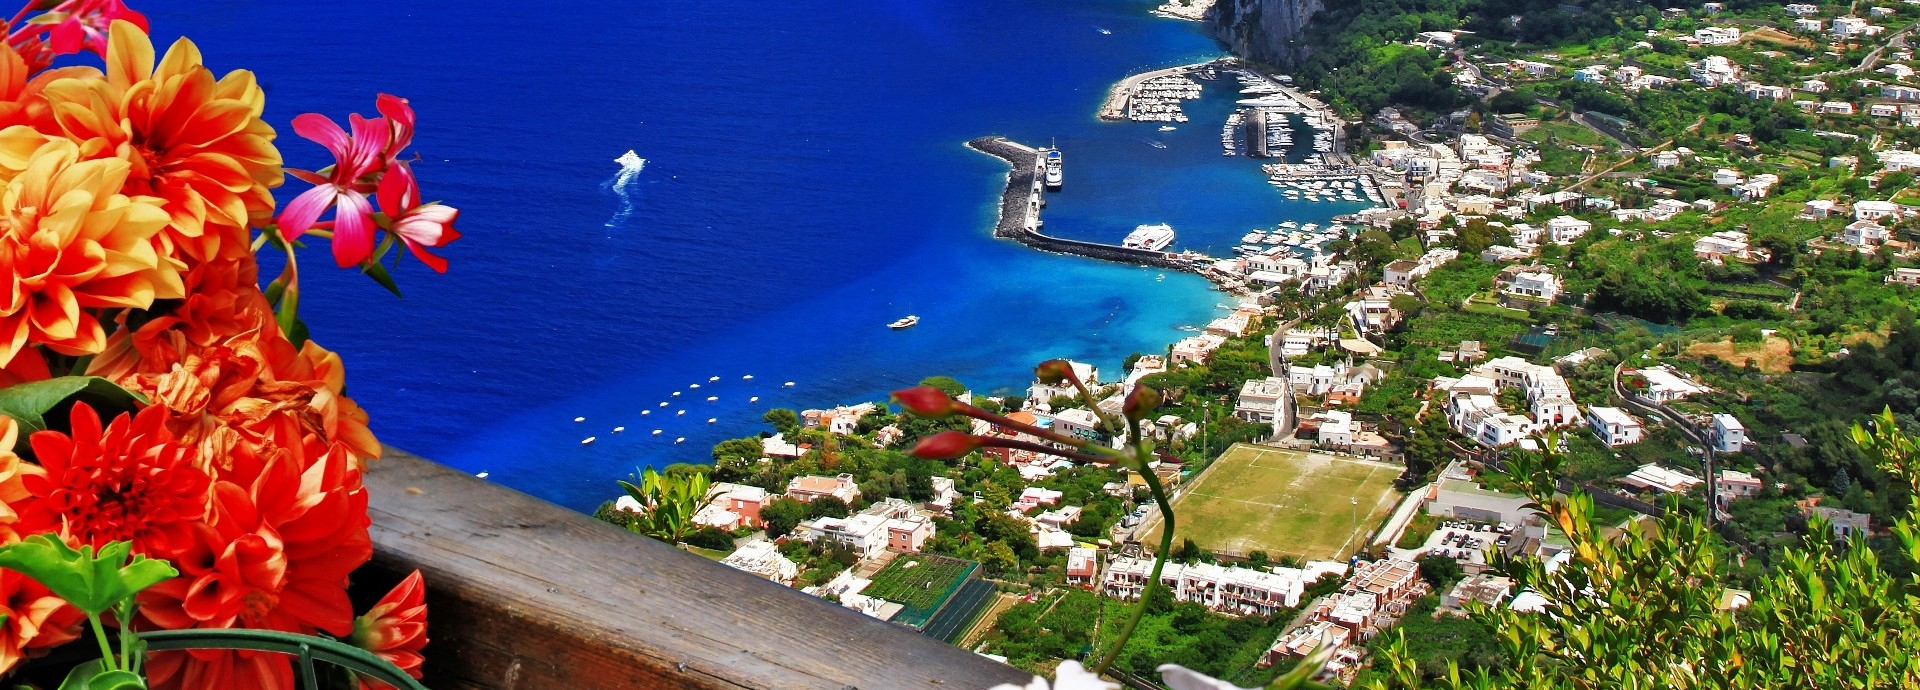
(1677, 260)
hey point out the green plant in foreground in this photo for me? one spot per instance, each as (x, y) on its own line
(1135, 454)
(668, 503)
(96, 583)
(1647, 608)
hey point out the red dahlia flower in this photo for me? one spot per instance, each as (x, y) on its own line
(395, 629)
(128, 482)
(33, 619)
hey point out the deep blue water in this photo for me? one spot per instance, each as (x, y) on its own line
(807, 183)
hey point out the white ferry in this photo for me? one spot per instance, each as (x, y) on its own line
(1149, 237)
(1053, 170)
(907, 322)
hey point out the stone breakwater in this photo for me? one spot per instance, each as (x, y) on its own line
(1020, 207)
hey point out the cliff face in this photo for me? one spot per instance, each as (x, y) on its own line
(1264, 30)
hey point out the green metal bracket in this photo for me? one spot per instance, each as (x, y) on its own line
(306, 647)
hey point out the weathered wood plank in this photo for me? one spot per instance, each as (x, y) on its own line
(526, 594)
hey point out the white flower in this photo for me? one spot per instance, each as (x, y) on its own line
(1182, 678)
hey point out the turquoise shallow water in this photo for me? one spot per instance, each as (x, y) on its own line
(806, 184)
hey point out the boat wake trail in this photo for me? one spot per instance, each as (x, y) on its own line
(631, 165)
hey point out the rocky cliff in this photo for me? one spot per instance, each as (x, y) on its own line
(1264, 30)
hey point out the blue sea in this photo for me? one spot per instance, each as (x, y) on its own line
(806, 184)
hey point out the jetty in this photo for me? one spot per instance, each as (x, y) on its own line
(1021, 201)
(1121, 95)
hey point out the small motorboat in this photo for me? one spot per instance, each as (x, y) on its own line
(681, 413)
(619, 429)
(577, 420)
(663, 404)
(754, 399)
(656, 432)
(682, 439)
(748, 377)
(788, 384)
(482, 475)
(587, 441)
(907, 322)
(646, 412)
(676, 394)
(711, 420)
(712, 398)
(712, 379)
(693, 387)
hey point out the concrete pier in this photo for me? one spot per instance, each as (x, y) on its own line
(1019, 218)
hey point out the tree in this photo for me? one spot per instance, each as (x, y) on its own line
(781, 515)
(1258, 559)
(1189, 551)
(827, 507)
(1439, 571)
(999, 559)
(734, 458)
(946, 384)
(784, 420)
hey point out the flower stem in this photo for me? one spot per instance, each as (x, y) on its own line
(1159, 562)
(107, 660)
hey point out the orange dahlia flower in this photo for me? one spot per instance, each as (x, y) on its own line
(127, 482)
(196, 142)
(13, 491)
(223, 306)
(34, 619)
(395, 628)
(288, 526)
(73, 242)
(23, 99)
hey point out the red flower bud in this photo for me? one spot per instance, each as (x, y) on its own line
(945, 445)
(1140, 402)
(926, 401)
(1054, 371)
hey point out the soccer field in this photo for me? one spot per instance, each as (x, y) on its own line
(1283, 502)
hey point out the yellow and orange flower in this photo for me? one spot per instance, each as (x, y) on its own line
(197, 142)
(32, 619)
(73, 242)
(13, 490)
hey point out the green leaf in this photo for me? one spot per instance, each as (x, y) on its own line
(378, 272)
(91, 582)
(30, 404)
(91, 676)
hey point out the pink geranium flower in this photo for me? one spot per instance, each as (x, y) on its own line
(355, 157)
(419, 226)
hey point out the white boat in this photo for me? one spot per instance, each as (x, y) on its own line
(656, 432)
(754, 399)
(907, 322)
(482, 474)
(1167, 128)
(1105, 32)
(578, 420)
(1149, 237)
(619, 429)
(680, 413)
(646, 412)
(1251, 237)
(712, 379)
(711, 420)
(1054, 174)
(682, 439)
(788, 384)
(748, 377)
(663, 404)
(694, 386)
(587, 441)
(675, 394)
(631, 160)
(712, 398)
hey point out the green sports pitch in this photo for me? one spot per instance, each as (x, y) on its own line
(1284, 502)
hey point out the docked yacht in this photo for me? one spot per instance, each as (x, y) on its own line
(1149, 237)
(1054, 176)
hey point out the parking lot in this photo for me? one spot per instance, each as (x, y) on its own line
(1467, 542)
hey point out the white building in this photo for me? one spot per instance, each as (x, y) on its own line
(1864, 234)
(1479, 417)
(1730, 485)
(1566, 229)
(763, 558)
(1540, 285)
(1802, 10)
(1872, 209)
(1720, 245)
(1727, 178)
(1041, 392)
(1232, 591)
(1729, 436)
(1664, 385)
(1336, 428)
(1080, 423)
(890, 524)
(1847, 27)
(1264, 401)
(1713, 70)
(1652, 477)
(1666, 159)
(1614, 426)
(1717, 35)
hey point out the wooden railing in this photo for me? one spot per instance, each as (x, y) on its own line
(526, 594)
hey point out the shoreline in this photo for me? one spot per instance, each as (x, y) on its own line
(1114, 108)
